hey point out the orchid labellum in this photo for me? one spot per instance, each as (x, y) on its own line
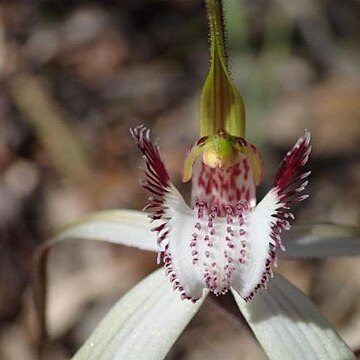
(224, 240)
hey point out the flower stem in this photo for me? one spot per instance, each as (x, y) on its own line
(222, 107)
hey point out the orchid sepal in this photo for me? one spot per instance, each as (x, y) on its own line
(289, 326)
(144, 324)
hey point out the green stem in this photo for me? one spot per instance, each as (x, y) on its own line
(217, 29)
(222, 107)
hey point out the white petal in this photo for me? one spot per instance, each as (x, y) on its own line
(126, 227)
(289, 326)
(144, 324)
(321, 240)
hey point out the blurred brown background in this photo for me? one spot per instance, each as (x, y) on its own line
(76, 75)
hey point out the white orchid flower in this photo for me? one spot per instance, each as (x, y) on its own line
(224, 240)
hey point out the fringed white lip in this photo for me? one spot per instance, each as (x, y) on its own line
(203, 247)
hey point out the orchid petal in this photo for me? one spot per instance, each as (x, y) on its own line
(195, 151)
(144, 324)
(321, 240)
(289, 326)
(125, 227)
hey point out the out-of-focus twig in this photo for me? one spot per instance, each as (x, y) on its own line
(2, 44)
(49, 123)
